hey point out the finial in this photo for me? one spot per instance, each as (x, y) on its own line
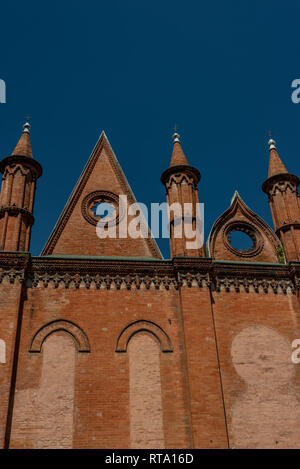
(176, 136)
(27, 126)
(271, 142)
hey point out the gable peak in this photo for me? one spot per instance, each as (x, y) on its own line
(101, 182)
(235, 196)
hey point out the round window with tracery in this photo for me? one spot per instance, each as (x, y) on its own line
(243, 239)
(103, 207)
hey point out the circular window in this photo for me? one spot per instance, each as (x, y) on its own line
(243, 239)
(103, 207)
(102, 210)
(240, 241)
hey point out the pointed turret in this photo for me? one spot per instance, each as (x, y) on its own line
(275, 164)
(178, 156)
(281, 187)
(23, 147)
(20, 173)
(180, 181)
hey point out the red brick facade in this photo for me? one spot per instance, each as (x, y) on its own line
(107, 345)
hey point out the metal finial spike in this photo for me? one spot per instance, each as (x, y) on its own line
(27, 125)
(176, 137)
(272, 144)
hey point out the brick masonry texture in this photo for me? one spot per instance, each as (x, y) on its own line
(110, 346)
(146, 418)
(44, 414)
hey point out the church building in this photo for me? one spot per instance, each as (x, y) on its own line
(106, 344)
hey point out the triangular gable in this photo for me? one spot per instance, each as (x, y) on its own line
(75, 233)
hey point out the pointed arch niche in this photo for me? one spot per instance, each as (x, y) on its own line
(264, 246)
(144, 341)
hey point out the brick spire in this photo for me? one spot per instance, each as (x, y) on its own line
(19, 175)
(178, 156)
(23, 147)
(181, 183)
(275, 165)
(281, 188)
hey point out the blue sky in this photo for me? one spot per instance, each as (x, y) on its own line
(221, 70)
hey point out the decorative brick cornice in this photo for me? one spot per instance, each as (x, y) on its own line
(280, 182)
(12, 275)
(180, 170)
(15, 211)
(12, 169)
(107, 282)
(295, 272)
(287, 226)
(257, 285)
(117, 274)
(219, 279)
(102, 273)
(194, 279)
(101, 266)
(256, 278)
(13, 267)
(192, 264)
(24, 161)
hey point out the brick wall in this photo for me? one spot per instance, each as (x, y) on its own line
(102, 377)
(260, 383)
